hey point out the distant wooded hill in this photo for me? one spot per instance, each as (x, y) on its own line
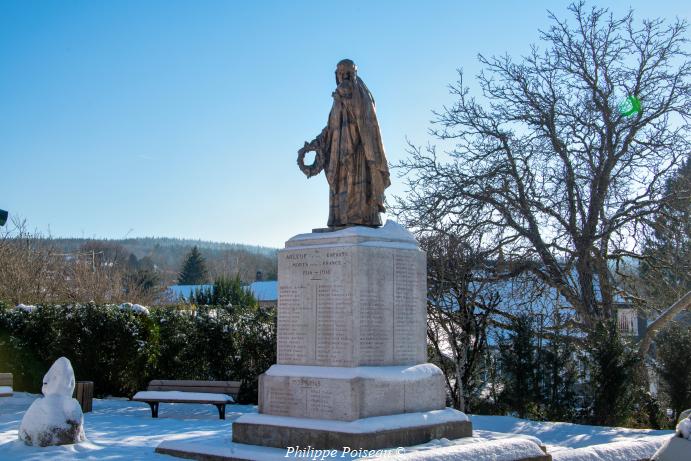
(166, 255)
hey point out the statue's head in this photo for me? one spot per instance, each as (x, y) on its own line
(345, 70)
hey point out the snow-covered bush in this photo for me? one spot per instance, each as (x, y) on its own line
(25, 308)
(136, 308)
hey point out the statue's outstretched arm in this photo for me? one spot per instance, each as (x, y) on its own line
(316, 146)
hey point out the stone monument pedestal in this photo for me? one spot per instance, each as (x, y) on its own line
(363, 434)
(352, 348)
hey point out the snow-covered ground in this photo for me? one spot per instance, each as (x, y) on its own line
(119, 429)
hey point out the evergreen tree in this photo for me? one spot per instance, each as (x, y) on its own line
(560, 375)
(194, 269)
(674, 353)
(613, 384)
(667, 267)
(519, 367)
(227, 292)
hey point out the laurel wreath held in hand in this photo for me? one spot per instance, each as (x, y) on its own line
(317, 166)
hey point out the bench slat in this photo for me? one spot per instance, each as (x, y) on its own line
(211, 390)
(189, 382)
(196, 385)
(182, 397)
(214, 387)
(227, 402)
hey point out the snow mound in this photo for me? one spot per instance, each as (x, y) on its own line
(56, 418)
(492, 450)
(678, 447)
(684, 428)
(615, 451)
(136, 308)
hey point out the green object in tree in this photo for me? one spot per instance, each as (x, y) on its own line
(3, 217)
(630, 106)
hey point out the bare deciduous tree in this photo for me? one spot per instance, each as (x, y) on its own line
(546, 166)
(460, 307)
(33, 271)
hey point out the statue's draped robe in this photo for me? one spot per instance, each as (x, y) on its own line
(354, 160)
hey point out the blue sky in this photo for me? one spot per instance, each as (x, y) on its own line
(182, 119)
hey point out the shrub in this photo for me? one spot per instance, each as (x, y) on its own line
(116, 348)
(519, 368)
(613, 388)
(121, 349)
(225, 291)
(674, 358)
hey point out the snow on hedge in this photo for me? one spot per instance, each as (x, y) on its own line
(25, 307)
(136, 308)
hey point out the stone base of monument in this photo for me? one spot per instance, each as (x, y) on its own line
(348, 394)
(362, 434)
(509, 447)
(201, 451)
(266, 437)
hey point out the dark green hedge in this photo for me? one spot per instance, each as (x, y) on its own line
(121, 350)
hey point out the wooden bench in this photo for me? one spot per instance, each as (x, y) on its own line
(6, 383)
(219, 393)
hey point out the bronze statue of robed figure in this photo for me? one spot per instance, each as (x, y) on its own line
(351, 153)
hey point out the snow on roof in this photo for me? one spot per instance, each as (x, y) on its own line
(262, 291)
(186, 291)
(265, 291)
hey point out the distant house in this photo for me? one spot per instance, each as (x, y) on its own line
(184, 292)
(266, 293)
(630, 323)
(519, 295)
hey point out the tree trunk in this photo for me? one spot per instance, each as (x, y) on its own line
(460, 365)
